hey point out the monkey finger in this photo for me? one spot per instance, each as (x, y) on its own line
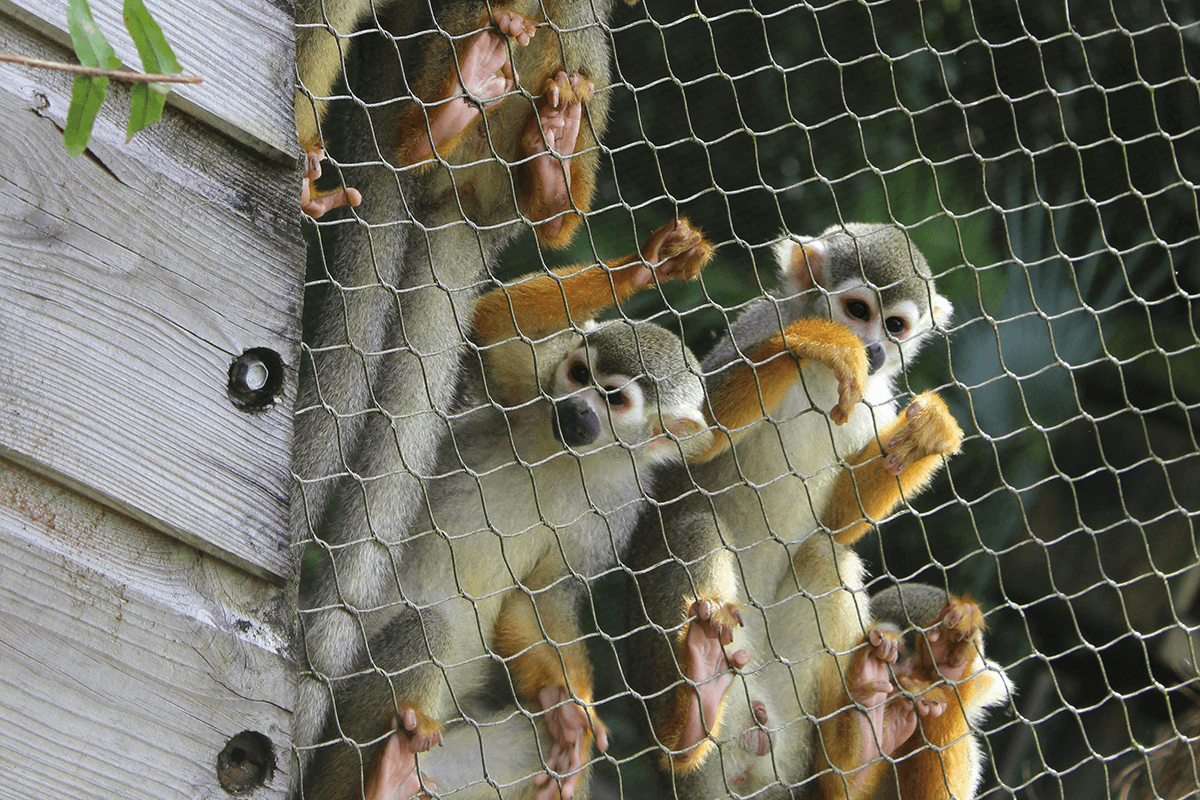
(739, 659)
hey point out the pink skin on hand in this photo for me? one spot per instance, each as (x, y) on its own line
(708, 666)
(316, 204)
(571, 725)
(555, 132)
(394, 776)
(485, 76)
(884, 724)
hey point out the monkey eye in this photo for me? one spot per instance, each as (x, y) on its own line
(580, 373)
(895, 325)
(616, 398)
(858, 309)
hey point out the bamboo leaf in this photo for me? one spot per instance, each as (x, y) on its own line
(91, 48)
(87, 95)
(156, 54)
(146, 108)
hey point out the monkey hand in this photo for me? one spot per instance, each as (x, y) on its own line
(931, 431)
(953, 642)
(316, 203)
(548, 138)
(676, 250)
(425, 731)
(394, 775)
(707, 667)
(836, 347)
(572, 725)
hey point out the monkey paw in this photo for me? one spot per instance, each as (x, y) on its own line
(954, 642)
(424, 731)
(837, 348)
(676, 250)
(572, 726)
(930, 430)
(553, 132)
(316, 203)
(394, 775)
(705, 663)
(928, 699)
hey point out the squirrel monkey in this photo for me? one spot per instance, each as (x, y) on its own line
(459, 62)
(940, 663)
(538, 488)
(385, 333)
(740, 569)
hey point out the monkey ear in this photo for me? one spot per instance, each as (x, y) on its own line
(685, 426)
(943, 311)
(802, 262)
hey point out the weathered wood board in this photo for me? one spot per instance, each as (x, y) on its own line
(127, 661)
(245, 52)
(130, 278)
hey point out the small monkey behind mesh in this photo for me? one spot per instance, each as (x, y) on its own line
(538, 487)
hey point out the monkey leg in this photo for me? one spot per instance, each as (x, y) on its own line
(539, 635)
(483, 76)
(549, 140)
(696, 713)
(748, 390)
(864, 725)
(942, 756)
(881, 477)
(316, 203)
(386, 713)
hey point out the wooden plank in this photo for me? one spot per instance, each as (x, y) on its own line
(245, 52)
(130, 278)
(128, 660)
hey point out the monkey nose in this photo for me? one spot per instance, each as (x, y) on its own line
(876, 355)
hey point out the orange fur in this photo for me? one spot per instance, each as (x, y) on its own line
(749, 391)
(670, 734)
(935, 762)
(839, 747)
(867, 492)
(546, 304)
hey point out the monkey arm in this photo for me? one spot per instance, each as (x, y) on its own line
(546, 304)
(899, 463)
(749, 389)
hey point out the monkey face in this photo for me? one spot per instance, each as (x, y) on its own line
(890, 332)
(592, 409)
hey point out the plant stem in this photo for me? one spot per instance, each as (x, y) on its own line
(115, 74)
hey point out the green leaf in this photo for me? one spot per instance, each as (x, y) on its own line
(86, 98)
(157, 56)
(91, 48)
(147, 101)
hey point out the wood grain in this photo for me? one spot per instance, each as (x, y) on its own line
(130, 278)
(127, 660)
(245, 52)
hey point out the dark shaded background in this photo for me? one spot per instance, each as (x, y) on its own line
(1045, 157)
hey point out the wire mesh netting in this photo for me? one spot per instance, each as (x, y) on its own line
(495, 540)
